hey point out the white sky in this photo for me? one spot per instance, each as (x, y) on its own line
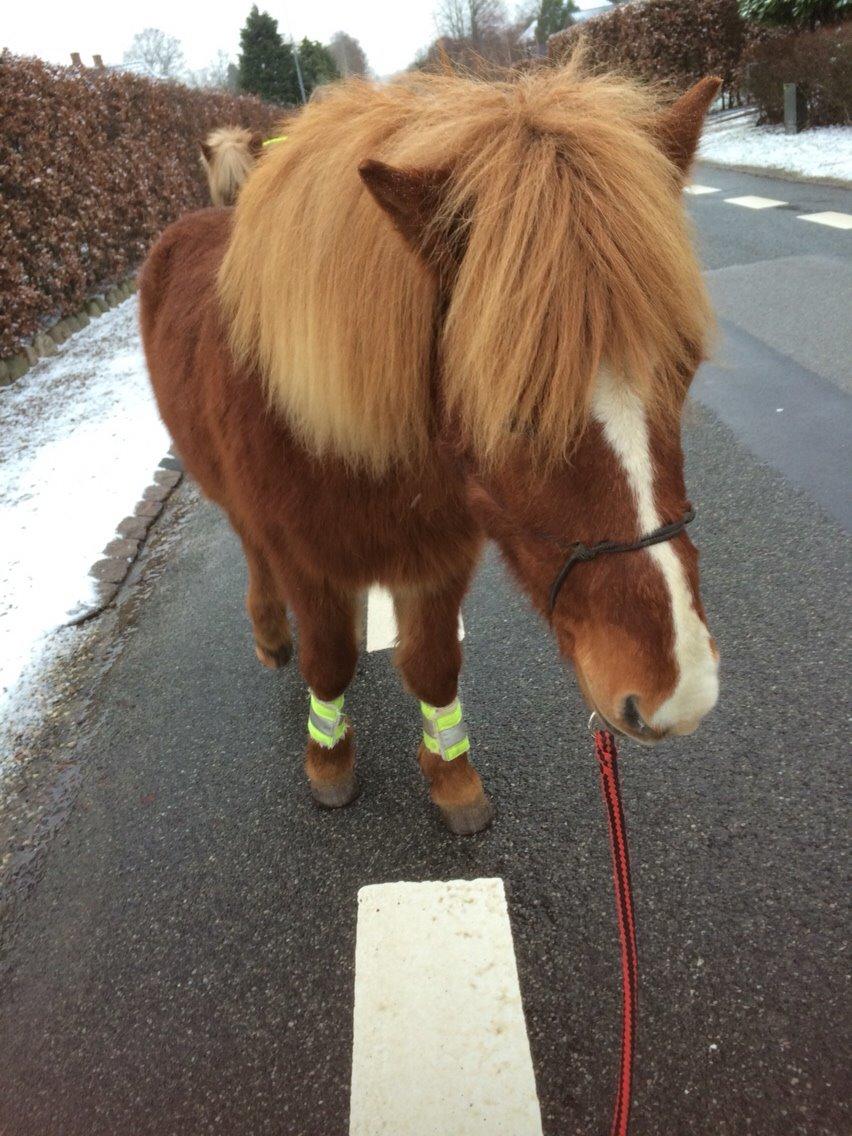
(391, 33)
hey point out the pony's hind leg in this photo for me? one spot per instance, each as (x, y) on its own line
(429, 657)
(273, 640)
(328, 654)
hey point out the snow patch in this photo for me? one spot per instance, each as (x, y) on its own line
(822, 151)
(80, 438)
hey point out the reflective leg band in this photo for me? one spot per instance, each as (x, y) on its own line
(326, 723)
(444, 731)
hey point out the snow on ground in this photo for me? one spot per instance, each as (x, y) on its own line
(79, 440)
(822, 151)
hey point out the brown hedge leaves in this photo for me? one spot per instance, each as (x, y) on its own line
(820, 62)
(93, 165)
(677, 41)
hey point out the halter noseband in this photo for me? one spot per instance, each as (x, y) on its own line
(579, 551)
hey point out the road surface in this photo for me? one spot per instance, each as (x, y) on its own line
(179, 953)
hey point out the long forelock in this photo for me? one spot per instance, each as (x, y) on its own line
(577, 254)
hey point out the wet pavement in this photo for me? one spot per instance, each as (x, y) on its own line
(183, 959)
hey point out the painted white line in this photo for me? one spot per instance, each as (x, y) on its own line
(836, 220)
(698, 190)
(382, 630)
(440, 1043)
(381, 621)
(755, 202)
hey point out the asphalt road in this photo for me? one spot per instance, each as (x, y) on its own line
(184, 962)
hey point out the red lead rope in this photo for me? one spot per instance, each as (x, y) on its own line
(607, 756)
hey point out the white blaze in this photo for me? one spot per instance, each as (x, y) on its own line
(622, 416)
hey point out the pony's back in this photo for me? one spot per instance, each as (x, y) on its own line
(576, 254)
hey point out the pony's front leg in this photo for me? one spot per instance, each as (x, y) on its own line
(328, 653)
(429, 657)
(273, 642)
(267, 610)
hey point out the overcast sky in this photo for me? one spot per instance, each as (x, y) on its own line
(390, 33)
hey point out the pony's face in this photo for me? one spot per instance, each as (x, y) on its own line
(632, 622)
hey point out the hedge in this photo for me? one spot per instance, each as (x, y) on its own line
(676, 41)
(819, 62)
(93, 165)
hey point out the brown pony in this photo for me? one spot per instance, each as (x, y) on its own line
(228, 154)
(444, 309)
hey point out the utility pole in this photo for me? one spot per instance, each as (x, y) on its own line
(296, 57)
(299, 72)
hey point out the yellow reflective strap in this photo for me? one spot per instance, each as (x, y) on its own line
(451, 752)
(442, 716)
(326, 724)
(457, 750)
(452, 719)
(431, 743)
(444, 731)
(272, 141)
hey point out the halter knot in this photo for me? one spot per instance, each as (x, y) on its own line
(581, 552)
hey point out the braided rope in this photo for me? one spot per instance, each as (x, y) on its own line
(607, 755)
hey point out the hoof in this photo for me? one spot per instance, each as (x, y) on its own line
(335, 794)
(465, 820)
(274, 659)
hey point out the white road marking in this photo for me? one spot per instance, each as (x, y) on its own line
(382, 630)
(836, 220)
(755, 202)
(698, 190)
(440, 1043)
(381, 621)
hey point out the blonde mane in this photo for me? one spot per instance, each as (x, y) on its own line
(577, 254)
(229, 164)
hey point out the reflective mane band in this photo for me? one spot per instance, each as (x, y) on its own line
(444, 731)
(326, 723)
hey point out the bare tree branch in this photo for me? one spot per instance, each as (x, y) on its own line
(348, 54)
(154, 53)
(473, 20)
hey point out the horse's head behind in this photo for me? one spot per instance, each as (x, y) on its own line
(228, 154)
(564, 364)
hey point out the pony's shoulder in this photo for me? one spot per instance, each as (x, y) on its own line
(188, 253)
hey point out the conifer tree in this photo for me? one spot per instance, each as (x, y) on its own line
(266, 64)
(317, 64)
(553, 16)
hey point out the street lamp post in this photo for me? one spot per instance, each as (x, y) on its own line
(299, 71)
(296, 57)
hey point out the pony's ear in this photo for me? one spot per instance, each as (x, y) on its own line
(206, 152)
(679, 126)
(409, 197)
(256, 144)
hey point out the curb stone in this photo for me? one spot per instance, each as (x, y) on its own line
(777, 173)
(45, 342)
(44, 345)
(123, 550)
(16, 367)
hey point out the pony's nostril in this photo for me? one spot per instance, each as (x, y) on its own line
(631, 714)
